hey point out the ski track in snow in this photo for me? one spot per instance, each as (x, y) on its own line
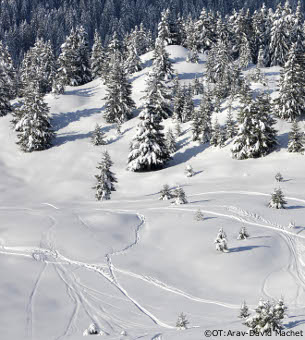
(74, 288)
(29, 307)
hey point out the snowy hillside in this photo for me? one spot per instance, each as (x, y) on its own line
(134, 263)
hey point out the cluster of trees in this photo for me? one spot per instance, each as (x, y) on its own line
(22, 22)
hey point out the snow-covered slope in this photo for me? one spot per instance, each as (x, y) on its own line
(134, 263)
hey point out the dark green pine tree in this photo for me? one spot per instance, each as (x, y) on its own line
(256, 136)
(119, 104)
(291, 101)
(74, 60)
(296, 139)
(34, 126)
(148, 150)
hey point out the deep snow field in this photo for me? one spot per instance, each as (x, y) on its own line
(135, 263)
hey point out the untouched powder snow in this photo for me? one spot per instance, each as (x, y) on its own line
(131, 265)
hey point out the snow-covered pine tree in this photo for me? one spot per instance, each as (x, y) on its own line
(277, 200)
(180, 196)
(218, 136)
(119, 104)
(32, 121)
(221, 241)
(5, 94)
(105, 179)
(244, 311)
(188, 106)
(97, 59)
(280, 40)
(189, 172)
(98, 136)
(93, 329)
(260, 58)
(38, 68)
(205, 113)
(245, 57)
(291, 225)
(204, 31)
(196, 127)
(296, 139)
(278, 177)
(9, 72)
(182, 322)
(243, 234)
(163, 28)
(199, 216)
(197, 86)
(148, 149)
(231, 129)
(291, 101)
(165, 193)
(74, 60)
(157, 94)
(268, 317)
(256, 136)
(133, 61)
(161, 62)
(171, 142)
(179, 100)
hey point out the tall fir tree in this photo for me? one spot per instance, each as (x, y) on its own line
(163, 28)
(256, 136)
(34, 127)
(119, 104)
(161, 61)
(97, 60)
(171, 142)
(148, 149)
(9, 73)
(5, 94)
(157, 94)
(291, 101)
(74, 60)
(38, 68)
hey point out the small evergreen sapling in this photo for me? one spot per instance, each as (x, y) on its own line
(93, 329)
(277, 199)
(105, 179)
(199, 215)
(243, 234)
(165, 193)
(268, 317)
(180, 196)
(98, 135)
(291, 225)
(244, 311)
(189, 172)
(221, 241)
(182, 322)
(278, 177)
